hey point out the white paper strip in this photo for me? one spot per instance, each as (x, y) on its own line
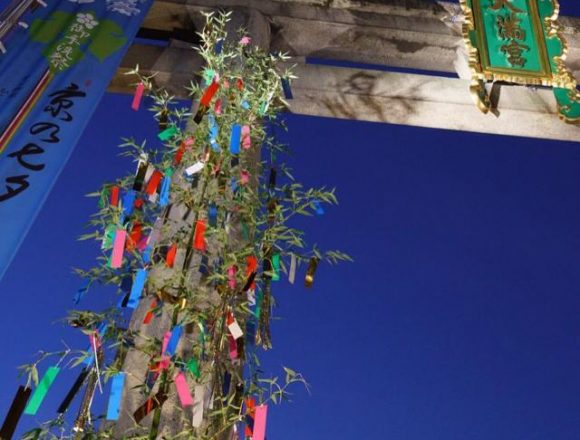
(235, 330)
(198, 403)
(2, 47)
(148, 173)
(195, 168)
(292, 273)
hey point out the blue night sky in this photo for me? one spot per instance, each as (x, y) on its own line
(459, 318)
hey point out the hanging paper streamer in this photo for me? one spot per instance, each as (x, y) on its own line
(292, 272)
(170, 256)
(310, 272)
(251, 269)
(219, 45)
(114, 196)
(276, 267)
(250, 414)
(198, 400)
(212, 215)
(226, 383)
(235, 139)
(41, 390)
(199, 239)
(193, 367)
(233, 348)
(183, 390)
(137, 288)
(246, 140)
(173, 340)
(181, 151)
(218, 107)
(150, 404)
(213, 133)
(208, 94)
(14, 413)
(259, 430)
(318, 207)
(287, 89)
(153, 182)
(165, 188)
(128, 203)
(140, 176)
(195, 168)
(82, 292)
(118, 249)
(232, 277)
(234, 327)
(167, 134)
(138, 96)
(150, 312)
(114, 405)
(73, 391)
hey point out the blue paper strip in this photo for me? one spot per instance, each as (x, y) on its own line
(137, 288)
(318, 207)
(147, 255)
(287, 89)
(219, 45)
(246, 105)
(81, 292)
(213, 132)
(114, 406)
(174, 340)
(128, 203)
(212, 215)
(165, 186)
(235, 139)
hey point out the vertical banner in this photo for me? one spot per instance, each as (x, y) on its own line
(52, 77)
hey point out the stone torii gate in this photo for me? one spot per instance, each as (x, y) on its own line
(423, 79)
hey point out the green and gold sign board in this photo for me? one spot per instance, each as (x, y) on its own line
(518, 41)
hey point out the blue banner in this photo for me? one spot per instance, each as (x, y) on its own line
(51, 80)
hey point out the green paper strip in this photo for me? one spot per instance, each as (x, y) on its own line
(276, 267)
(193, 367)
(167, 134)
(41, 390)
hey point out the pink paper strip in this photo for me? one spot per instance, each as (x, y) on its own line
(232, 277)
(246, 140)
(233, 348)
(260, 422)
(118, 247)
(165, 360)
(183, 390)
(138, 96)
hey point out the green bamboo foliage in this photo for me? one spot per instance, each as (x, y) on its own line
(245, 200)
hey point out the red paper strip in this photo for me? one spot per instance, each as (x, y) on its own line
(154, 182)
(251, 411)
(252, 266)
(134, 236)
(138, 96)
(199, 239)
(150, 314)
(208, 94)
(179, 154)
(115, 196)
(170, 257)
